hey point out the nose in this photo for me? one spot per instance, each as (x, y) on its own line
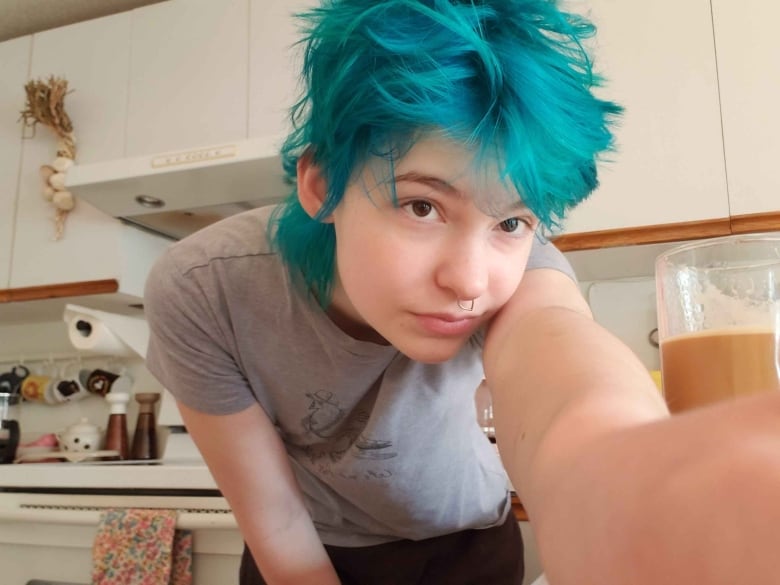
(463, 268)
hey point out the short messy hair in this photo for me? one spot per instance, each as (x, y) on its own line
(501, 76)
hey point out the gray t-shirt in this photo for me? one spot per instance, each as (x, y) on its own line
(383, 447)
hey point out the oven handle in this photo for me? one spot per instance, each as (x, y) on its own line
(186, 520)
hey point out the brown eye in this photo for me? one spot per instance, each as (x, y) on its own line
(421, 208)
(510, 225)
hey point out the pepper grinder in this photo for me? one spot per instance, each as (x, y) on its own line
(145, 436)
(116, 430)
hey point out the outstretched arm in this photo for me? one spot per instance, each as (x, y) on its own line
(616, 490)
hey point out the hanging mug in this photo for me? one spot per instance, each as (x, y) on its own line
(36, 387)
(11, 381)
(97, 381)
(67, 388)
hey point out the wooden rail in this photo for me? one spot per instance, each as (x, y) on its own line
(517, 508)
(56, 291)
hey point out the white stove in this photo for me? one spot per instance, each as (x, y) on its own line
(50, 514)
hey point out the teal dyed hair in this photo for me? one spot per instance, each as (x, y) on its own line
(500, 76)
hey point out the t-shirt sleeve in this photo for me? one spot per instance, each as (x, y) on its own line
(188, 350)
(544, 254)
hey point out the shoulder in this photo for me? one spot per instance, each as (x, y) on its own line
(239, 236)
(219, 262)
(544, 254)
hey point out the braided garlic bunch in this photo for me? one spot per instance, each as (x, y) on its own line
(46, 105)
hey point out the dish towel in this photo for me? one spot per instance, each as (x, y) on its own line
(136, 546)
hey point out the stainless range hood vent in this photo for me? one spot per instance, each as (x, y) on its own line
(194, 188)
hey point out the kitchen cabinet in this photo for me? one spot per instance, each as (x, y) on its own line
(93, 56)
(748, 56)
(188, 75)
(274, 64)
(659, 61)
(15, 62)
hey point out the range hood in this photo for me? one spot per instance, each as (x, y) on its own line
(176, 193)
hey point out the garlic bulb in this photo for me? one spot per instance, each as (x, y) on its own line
(46, 172)
(48, 192)
(63, 200)
(57, 180)
(62, 164)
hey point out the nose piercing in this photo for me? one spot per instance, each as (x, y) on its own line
(466, 305)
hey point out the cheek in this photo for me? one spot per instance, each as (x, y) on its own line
(369, 267)
(367, 253)
(359, 259)
(506, 275)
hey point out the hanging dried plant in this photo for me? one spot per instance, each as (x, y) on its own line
(46, 105)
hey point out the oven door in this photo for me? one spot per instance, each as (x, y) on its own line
(46, 538)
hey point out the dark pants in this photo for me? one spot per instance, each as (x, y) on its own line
(493, 556)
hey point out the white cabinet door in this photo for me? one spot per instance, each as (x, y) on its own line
(93, 56)
(274, 64)
(15, 63)
(749, 72)
(659, 61)
(188, 75)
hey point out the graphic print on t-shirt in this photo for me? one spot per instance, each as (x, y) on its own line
(328, 420)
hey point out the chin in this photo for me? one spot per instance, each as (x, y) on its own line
(431, 352)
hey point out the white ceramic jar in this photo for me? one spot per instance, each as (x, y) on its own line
(80, 437)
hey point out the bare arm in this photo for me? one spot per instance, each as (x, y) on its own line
(617, 491)
(249, 463)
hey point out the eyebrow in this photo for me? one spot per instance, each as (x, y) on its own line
(446, 188)
(429, 180)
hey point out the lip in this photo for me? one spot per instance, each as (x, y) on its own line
(445, 324)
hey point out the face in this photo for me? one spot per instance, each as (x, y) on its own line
(401, 268)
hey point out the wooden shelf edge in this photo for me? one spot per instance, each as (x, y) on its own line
(755, 222)
(651, 234)
(673, 232)
(53, 291)
(518, 510)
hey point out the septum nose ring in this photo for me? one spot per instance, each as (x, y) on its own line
(466, 305)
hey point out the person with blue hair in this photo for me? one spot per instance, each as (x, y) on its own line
(325, 353)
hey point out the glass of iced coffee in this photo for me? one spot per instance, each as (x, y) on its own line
(719, 319)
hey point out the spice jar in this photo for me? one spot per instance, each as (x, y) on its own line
(116, 430)
(145, 436)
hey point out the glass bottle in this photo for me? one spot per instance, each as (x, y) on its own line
(483, 402)
(116, 430)
(145, 436)
(9, 426)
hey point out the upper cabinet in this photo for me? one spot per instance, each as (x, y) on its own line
(749, 71)
(15, 60)
(659, 61)
(188, 75)
(94, 57)
(274, 64)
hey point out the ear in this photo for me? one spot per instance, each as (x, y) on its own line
(312, 186)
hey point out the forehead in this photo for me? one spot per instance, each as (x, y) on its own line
(457, 169)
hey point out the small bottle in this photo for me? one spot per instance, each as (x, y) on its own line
(483, 401)
(9, 426)
(116, 430)
(145, 436)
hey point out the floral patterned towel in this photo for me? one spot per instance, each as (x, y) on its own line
(141, 547)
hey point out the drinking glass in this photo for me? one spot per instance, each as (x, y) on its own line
(719, 319)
